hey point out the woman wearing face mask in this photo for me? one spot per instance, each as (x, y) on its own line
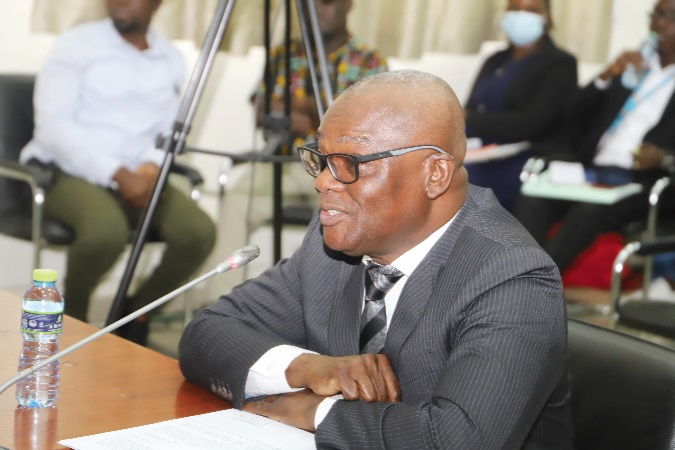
(521, 94)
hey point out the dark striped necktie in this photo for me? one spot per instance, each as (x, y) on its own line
(378, 280)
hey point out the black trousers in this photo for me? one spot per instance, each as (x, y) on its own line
(581, 223)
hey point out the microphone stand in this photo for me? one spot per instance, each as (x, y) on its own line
(175, 144)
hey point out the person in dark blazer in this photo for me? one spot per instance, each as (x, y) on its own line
(521, 94)
(475, 352)
(626, 133)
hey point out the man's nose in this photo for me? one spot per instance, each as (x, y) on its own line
(325, 181)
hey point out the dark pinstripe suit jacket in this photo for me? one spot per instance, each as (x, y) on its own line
(477, 342)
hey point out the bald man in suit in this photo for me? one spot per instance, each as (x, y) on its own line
(475, 354)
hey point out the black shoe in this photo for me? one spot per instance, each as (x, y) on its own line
(135, 331)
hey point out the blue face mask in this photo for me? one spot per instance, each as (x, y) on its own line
(523, 27)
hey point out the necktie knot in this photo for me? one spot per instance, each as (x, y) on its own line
(378, 281)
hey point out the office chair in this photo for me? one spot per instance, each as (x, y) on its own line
(22, 187)
(645, 314)
(656, 225)
(623, 390)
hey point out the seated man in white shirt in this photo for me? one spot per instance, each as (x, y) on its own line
(626, 119)
(105, 92)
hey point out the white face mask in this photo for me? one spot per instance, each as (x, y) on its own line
(523, 27)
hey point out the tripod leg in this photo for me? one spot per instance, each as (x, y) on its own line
(174, 145)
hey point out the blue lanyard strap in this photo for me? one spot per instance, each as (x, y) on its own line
(634, 100)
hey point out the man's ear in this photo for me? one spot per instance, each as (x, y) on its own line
(440, 168)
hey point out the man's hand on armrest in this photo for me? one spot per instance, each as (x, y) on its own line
(133, 187)
(367, 377)
(649, 156)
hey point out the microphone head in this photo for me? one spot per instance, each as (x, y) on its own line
(239, 258)
(250, 252)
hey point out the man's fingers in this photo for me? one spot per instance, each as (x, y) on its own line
(380, 384)
(392, 387)
(369, 378)
(349, 387)
(367, 390)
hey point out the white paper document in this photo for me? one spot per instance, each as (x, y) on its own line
(494, 152)
(542, 186)
(229, 429)
(564, 172)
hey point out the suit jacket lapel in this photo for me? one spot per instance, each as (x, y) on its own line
(418, 290)
(414, 298)
(345, 317)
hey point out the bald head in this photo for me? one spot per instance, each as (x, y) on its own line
(413, 104)
(396, 199)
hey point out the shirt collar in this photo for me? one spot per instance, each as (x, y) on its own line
(151, 37)
(408, 262)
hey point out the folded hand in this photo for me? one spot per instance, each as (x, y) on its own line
(367, 377)
(294, 408)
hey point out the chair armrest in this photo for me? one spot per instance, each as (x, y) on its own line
(657, 245)
(193, 175)
(33, 174)
(657, 189)
(644, 247)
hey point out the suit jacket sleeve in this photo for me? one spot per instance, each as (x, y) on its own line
(220, 345)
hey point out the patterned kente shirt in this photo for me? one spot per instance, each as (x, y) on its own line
(346, 65)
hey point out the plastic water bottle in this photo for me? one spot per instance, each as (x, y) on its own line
(41, 323)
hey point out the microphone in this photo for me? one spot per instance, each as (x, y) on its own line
(237, 259)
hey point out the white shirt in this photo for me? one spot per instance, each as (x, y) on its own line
(268, 375)
(617, 145)
(100, 102)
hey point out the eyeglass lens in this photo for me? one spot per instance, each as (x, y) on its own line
(312, 162)
(343, 168)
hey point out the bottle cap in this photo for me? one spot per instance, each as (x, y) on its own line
(44, 275)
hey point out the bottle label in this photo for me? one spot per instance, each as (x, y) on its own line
(44, 323)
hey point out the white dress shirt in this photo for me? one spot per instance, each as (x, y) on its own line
(268, 375)
(619, 142)
(100, 102)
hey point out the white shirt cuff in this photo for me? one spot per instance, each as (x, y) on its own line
(323, 409)
(602, 84)
(268, 375)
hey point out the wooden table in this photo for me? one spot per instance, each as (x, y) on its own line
(107, 385)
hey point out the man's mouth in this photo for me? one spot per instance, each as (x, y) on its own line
(330, 216)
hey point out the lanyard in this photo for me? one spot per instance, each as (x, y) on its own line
(634, 100)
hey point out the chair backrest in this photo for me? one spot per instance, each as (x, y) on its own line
(623, 390)
(16, 130)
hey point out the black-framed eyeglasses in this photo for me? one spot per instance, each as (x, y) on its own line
(657, 14)
(345, 167)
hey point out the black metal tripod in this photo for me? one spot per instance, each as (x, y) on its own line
(277, 130)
